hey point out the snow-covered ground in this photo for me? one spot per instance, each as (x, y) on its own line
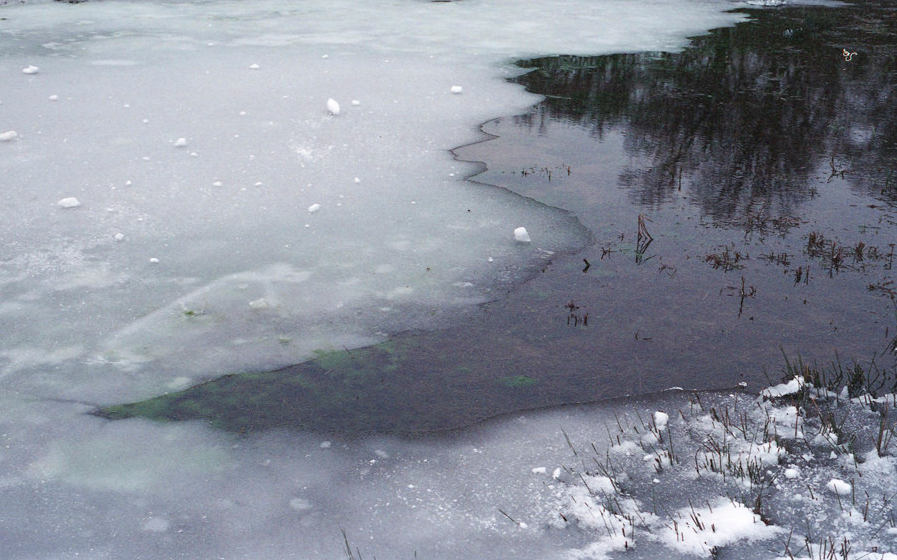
(196, 188)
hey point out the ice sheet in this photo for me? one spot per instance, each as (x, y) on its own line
(228, 219)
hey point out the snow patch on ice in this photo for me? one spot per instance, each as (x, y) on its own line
(69, 202)
(521, 235)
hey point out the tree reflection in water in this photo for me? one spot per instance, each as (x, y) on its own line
(746, 115)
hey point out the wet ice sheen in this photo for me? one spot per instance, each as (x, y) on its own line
(180, 264)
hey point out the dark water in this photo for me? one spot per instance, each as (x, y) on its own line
(763, 163)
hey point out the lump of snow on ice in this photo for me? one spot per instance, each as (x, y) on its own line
(521, 235)
(70, 202)
(661, 419)
(839, 487)
(333, 106)
(260, 303)
(783, 389)
(30, 70)
(8, 136)
(702, 529)
(180, 142)
(792, 472)
(314, 208)
(457, 89)
(156, 525)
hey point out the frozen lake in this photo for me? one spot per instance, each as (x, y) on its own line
(200, 188)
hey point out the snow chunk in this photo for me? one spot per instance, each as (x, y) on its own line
(839, 487)
(792, 472)
(260, 303)
(30, 70)
(69, 202)
(314, 208)
(783, 389)
(299, 504)
(333, 106)
(8, 136)
(180, 142)
(254, 66)
(701, 529)
(661, 419)
(521, 235)
(156, 525)
(457, 89)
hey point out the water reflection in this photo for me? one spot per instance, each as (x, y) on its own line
(745, 112)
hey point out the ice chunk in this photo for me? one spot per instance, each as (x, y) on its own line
(333, 106)
(8, 136)
(69, 202)
(521, 235)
